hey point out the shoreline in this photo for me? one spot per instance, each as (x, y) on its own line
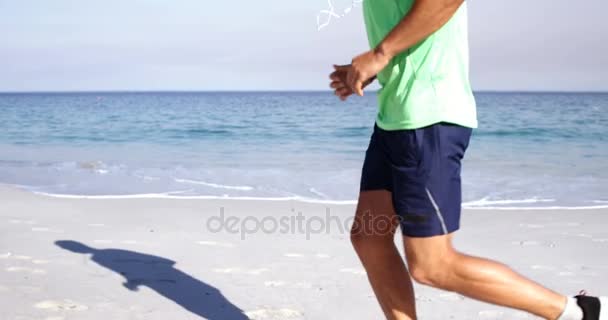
(467, 205)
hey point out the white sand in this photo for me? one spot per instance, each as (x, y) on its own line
(266, 276)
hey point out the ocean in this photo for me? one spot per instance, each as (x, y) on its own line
(531, 150)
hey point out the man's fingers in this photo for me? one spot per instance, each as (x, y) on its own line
(355, 83)
(340, 71)
(358, 87)
(342, 67)
(337, 84)
(354, 80)
(337, 75)
(343, 97)
(343, 92)
(350, 79)
(343, 80)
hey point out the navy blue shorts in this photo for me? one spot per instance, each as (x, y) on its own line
(421, 168)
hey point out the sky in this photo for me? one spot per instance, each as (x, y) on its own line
(75, 45)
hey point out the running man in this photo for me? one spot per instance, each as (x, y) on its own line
(411, 173)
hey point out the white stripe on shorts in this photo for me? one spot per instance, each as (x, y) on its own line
(437, 211)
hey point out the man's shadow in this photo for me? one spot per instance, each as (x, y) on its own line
(159, 274)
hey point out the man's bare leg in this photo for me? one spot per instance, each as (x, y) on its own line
(478, 278)
(373, 239)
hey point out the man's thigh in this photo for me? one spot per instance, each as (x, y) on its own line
(427, 252)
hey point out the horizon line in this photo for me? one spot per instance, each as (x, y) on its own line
(265, 91)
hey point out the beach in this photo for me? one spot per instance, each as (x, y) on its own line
(155, 258)
(204, 160)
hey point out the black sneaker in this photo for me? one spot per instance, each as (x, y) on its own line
(592, 306)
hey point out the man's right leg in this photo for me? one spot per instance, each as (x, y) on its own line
(372, 236)
(478, 278)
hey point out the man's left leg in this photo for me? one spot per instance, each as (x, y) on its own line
(373, 237)
(477, 278)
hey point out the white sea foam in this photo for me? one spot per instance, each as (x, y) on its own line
(214, 185)
(145, 177)
(484, 202)
(540, 208)
(318, 193)
(170, 195)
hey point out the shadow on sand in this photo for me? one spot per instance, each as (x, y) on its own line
(159, 274)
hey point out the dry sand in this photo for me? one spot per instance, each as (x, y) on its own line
(159, 259)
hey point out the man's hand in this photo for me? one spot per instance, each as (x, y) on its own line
(339, 81)
(365, 67)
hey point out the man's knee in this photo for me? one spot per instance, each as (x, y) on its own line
(358, 241)
(431, 265)
(365, 241)
(375, 222)
(369, 238)
(429, 275)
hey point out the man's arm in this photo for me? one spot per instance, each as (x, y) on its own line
(425, 17)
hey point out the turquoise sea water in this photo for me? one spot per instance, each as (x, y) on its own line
(531, 150)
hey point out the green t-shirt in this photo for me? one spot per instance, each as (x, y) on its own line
(428, 83)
